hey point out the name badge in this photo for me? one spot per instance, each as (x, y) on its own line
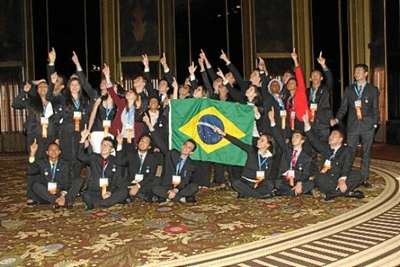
(103, 182)
(327, 163)
(106, 123)
(260, 175)
(138, 178)
(290, 173)
(283, 113)
(77, 115)
(176, 179)
(52, 187)
(44, 120)
(357, 103)
(129, 127)
(314, 106)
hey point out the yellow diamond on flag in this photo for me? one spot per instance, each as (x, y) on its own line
(199, 128)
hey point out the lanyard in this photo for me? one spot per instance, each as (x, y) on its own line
(53, 171)
(77, 103)
(141, 163)
(261, 163)
(44, 109)
(359, 90)
(130, 116)
(179, 166)
(333, 154)
(108, 111)
(280, 102)
(104, 168)
(313, 94)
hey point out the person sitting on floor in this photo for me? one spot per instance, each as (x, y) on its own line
(106, 185)
(295, 162)
(335, 178)
(256, 175)
(50, 180)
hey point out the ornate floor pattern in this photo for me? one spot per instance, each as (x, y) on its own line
(218, 230)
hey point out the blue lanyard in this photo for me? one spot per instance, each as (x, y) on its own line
(333, 155)
(53, 171)
(131, 116)
(280, 103)
(359, 90)
(179, 166)
(44, 109)
(108, 111)
(77, 103)
(313, 94)
(103, 171)
(261, 163)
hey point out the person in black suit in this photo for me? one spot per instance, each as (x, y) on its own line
(142, 166)
(106, 185)
(361, 103)
(295, 162)
(177, 182)
(318, 96)
(335, 177)
(256, 175)
(51, 180)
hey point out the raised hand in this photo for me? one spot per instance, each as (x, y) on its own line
(119, 138)
(27, 87)
(106, 70)
(163, 61)
(146, 120)
(220, 74)
(333, 122)
(202, 55)
(224, 57)
(75, 58)
(294, 57)
(85, 134)
(145, 61)
(52, 56)
(271, 115)
(201, 64)
(261, 64)
(175, 84)
(34, 148)
(321, 60)
(192, 68)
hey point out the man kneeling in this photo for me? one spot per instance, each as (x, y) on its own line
(335, 177)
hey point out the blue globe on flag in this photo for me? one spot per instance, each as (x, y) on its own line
(205, 129)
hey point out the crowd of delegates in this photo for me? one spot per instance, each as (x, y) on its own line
(110, 145)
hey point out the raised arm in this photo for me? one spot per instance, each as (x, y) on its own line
(321, 147)
(22, 99)
(90, 91)
(83, 156)
(204, 77)
(247, 148)
(300, 97)
(209, 69)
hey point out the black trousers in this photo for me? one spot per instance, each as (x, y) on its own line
(246, 188)
(285, 189)
(38, 191)
(328, 184)
(366, 138)
(95, 200)
(189, 190)
(201, 175)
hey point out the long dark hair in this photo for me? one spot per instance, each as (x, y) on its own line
(69, 103)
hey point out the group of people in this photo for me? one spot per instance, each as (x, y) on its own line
(110, 145)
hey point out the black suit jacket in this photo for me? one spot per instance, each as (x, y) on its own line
(370, 109)
(302, 169)
(322, 99)
(342, 161)
(112, 171)
(171, 158)
(42, 169)
(251, 166)
(129, 157)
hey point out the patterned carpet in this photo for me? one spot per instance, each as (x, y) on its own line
(140, 233)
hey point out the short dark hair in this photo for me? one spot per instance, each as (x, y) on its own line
(193, 142)
(291, 78)
(108, 139)
(362, 65)
(299, 132)
(53, 144)
(340, 130)
(146, 136)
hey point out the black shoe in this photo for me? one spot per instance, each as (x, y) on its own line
(191, 200)
(32, 203)
(366, 184)
(329, 197)
(89, 207)
(239, 196)
(265, 196)
(355, 194)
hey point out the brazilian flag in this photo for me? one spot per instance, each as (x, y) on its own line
(195, 118)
